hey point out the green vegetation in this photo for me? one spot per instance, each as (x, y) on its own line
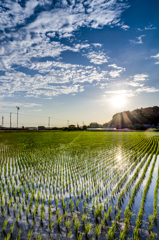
(76, 181)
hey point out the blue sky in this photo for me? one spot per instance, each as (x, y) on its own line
(67, 59)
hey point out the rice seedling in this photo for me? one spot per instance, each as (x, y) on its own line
(5, 224)
(30, 234)
(80, 236)
(8, 237)
(77, 225)
(68, 224)
(97, 231)
(150, 223)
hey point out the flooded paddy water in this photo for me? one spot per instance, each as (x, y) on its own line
(79, 186)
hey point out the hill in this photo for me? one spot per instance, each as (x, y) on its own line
(136, 118)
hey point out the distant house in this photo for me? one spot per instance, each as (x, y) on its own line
(109, 128)
(101, 129)
(94, 129)
(33, 128)
(41, 128)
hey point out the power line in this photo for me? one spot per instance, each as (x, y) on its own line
(29, 115)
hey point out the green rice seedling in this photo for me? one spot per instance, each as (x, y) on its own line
(65, 214)
(111, 233)
(71, 206)
(19, 234)
(51, 226)
(64, 204)
(85, 206)
(87, 228)
(8, 236)
(74, 217)
(33, 222)
(69, 234)
(56, 202)
(77, 225)
(59, 220)
(67, 224)
(5, 224)
(50, 217)
(11, 229)
(93, 206)
(84, 217)
(97, 231)
(17, 217)
(98, 211)
(57, 212)
(42, 215)
(30, 234)
(117, 217)
(80, 236)
(102, 224)
(150, 223)
(152, 236)
(39, 237)
(2, 204)
(110, 211)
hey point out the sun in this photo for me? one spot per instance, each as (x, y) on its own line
(118, 101)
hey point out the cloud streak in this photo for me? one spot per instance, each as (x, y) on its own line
(138, 40)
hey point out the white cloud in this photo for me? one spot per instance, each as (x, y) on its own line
(140, 77)
(138, 41)
(150, 27)
(103, 85)
(134, 84)
(156, 57)
(147, 89)
(125, 27)
(31, 40)
(11, 13)
(97, 44)
(97, 57)
(115, 73)
(14, 104)
(58, 78)
(115, 66)
(128, 93)
(65, 17)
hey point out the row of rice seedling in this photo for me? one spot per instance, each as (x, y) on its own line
(140, 213)
(123, 234)
(136, 173)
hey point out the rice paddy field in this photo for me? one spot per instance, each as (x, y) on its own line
(79, 185)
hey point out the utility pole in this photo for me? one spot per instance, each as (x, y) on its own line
(17, 115)
(10, 120)
(48, 122)
(2, 121)
(68, 123)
